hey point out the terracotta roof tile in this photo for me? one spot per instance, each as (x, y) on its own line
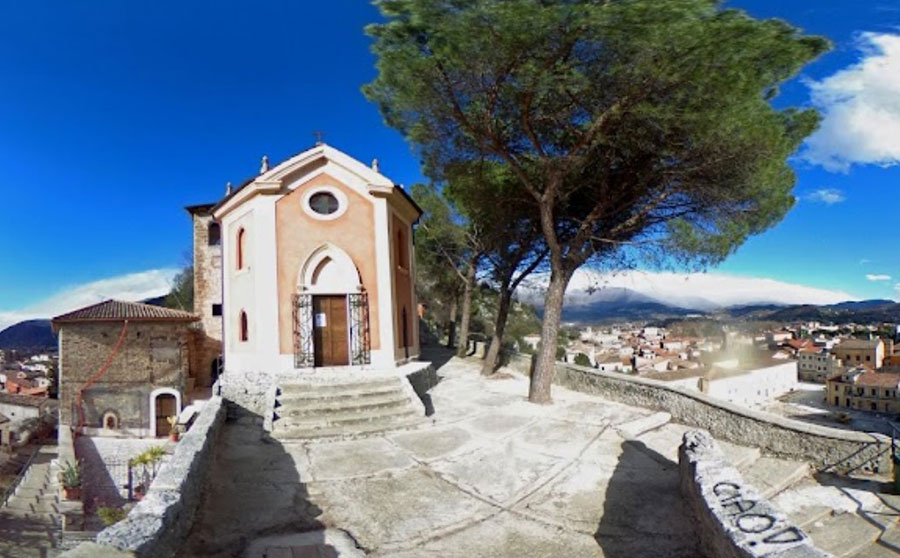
(23, 400)
(115, 311)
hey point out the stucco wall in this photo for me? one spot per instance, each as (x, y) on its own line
(828, 449)
(401, 270)
(241, 295)
(153, 355)
(299, 235)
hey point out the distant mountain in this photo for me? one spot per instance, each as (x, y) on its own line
(31, 334)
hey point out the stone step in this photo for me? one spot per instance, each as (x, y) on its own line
(349, 397)
(330, 407)
(344, 419)
(770, 475)
(339, 386)
(844, 534)
(877, 550)
(371, 428)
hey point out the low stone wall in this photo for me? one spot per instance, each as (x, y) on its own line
(71, 512)
(828, 449)
(158, 524)
(732, 519)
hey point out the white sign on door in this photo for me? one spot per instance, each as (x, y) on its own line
(321, 320)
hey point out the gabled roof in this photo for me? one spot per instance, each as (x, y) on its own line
(117, 311)
(270, 180)
(856, 344)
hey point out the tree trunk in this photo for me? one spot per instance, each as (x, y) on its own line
(545, 366)
(490, 359)
(451, 324)
(463, 347)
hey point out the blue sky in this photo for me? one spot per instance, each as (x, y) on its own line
(114, 115)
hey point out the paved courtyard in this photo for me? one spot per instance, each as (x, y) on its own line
(489, 475)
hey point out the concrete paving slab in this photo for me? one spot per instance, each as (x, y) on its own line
(499, 472)
(562, 439)
(432, 443)
(596, 412)
(633, 429)
(808, 501)
(356, 458)
(496, 424)
(398, 507)
(504, 535)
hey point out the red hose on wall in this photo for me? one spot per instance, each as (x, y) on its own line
(99, 374)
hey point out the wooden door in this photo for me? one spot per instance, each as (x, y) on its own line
(166, 407)
(330, 330)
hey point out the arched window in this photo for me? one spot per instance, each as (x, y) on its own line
(214, 234)
(401, 250)
(245, 328)
(110, 420)
(241, 235)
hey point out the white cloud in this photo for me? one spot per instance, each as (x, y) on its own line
(827, 196)
(861, 109)
(877, 277)
(698, 291)
(134, 286)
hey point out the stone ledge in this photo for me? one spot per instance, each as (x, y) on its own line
(732, 519)
(828, 449)
(159, 523)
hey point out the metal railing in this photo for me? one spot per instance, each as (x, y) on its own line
(11, 489)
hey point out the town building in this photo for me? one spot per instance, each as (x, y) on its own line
(817, 365)
(864, 390)
(318, 270)
(861, 352)
(124, 368)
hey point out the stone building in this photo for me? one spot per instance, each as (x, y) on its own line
(817, 365)
(317, 267)
(130, 363)
(864, 390)
(861, 352)
(206, 359)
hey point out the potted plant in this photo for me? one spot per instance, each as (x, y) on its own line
(174, 432)
(70, 478)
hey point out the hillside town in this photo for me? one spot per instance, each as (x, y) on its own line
(469, 279)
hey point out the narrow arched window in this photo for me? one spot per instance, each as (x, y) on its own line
(241, 235)
(213, 234)
(245, 327)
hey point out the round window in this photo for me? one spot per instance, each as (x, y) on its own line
(323, 203)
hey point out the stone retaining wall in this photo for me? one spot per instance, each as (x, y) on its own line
(828, 449)
(158, 524)
(731, 518)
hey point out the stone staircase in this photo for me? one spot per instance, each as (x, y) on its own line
(854, 517)
(342, 406)
(30, 519)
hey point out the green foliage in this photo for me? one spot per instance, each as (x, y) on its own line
(181, 296)
(150, 456)
(582, 359)
(110, 515)
(70, 475)
(646, 125)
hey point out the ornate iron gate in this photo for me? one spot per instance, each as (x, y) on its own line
(360, 346)
(304, 348)
(360, 339)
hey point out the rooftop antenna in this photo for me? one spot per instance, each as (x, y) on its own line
(319, 135)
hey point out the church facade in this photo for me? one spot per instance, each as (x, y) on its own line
(317, 269)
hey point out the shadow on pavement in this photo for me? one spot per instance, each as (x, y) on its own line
(643, 512)
(254, 490)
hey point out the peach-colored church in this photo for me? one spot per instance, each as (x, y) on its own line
(317, 268)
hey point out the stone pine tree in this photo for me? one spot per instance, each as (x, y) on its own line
(633, 125)
(490, 197)
(448, 251)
